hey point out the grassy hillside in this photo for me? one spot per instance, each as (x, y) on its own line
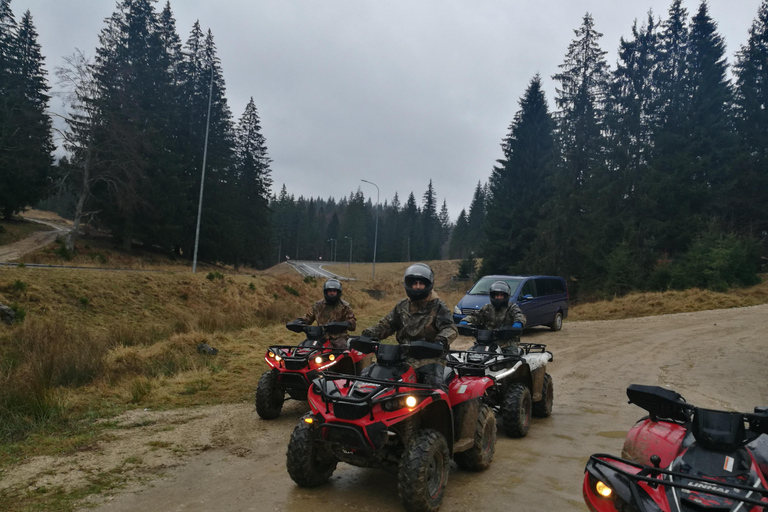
(95, 342)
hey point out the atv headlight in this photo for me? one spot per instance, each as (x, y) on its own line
(603, 490)
(271, 354)
(410, 401)
(332, 357)
(278, 358)
(318, 360)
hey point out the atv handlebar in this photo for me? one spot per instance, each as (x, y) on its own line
(488, 336)
(316, 331)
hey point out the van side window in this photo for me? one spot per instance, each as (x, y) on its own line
(528, 289)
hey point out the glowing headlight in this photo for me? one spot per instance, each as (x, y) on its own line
(278, 358)
(271, 354)
(410, 401)
(318, 360)
(308, 420)
(603, 490)
(331, 357)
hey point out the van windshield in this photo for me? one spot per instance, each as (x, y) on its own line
(484, 284)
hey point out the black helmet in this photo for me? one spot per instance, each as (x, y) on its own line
(503, 288)
(332, 284)
(418, 272)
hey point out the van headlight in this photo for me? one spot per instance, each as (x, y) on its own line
(456, 310)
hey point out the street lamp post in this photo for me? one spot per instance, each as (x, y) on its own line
(349, 265)
(376, 232)
(202, 178)
(333, 250)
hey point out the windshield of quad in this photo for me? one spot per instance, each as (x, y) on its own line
(484, 284)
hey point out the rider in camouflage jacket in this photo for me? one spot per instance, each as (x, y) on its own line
(422, 316)
(332, 308)
(498, 313)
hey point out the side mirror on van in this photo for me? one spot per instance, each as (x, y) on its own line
(526, 297)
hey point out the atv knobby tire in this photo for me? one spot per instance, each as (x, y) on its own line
(516, 410)
(269, 396)
(479, 457)
(423, 472)
(543, 408)
(306, 465)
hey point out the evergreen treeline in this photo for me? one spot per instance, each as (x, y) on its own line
(315, 228)
(138, 135)
(651, 175)
(648, 175)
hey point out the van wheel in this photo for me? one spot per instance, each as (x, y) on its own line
(557, 323)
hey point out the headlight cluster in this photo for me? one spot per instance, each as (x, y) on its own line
(274, 356)
(603, 490)
(394, 404)
(323, 362)
(456, 310)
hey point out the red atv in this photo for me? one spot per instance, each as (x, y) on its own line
(294, 367)
(683, 458)
(386, 419)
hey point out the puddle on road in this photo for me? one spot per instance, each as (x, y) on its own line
(613, 434)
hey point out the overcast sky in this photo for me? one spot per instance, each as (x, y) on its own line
(397, 92)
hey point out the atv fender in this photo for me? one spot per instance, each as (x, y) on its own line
(522, 375)
(465, 419)
(537, 383)
(438, 416)
(468, 388)
(647, 438)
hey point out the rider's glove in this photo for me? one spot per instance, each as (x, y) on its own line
(442, 340)
(517, 325)
(463, 322)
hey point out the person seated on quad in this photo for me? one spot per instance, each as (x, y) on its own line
(332, 308)
(499, 313)
(421, 316)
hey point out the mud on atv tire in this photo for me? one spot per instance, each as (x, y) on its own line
(303, 461)
(543, 408)
(423, 472)
(269, 396)
(479, 457)
(516, 410)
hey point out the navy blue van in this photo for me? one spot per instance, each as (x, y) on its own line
(543, 299)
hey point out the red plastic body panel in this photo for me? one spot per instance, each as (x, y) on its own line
(648, 438)
(462, 389)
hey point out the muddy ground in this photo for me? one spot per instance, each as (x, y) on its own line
(225, 458)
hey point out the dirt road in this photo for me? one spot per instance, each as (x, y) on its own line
(36, 240)
(225, 458)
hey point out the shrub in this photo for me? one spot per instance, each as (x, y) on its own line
(19, 311)
(214, 275)
(716, 262)
(252, 287)
(467, 267)
(622, 271)
(62, 252)
(310, 279)
(19, 286)
(293, 291)
(84, 301)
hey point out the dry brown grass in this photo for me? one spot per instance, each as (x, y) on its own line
(102, 340)
(660, 303)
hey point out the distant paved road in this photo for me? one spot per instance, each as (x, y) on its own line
(315, 269)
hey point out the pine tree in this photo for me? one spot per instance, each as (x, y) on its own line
(430, 225)
(750, 195)
(26, 144)
(519, 183)
(476, 220)
(581, 98)
(252, 186)
(459, 246)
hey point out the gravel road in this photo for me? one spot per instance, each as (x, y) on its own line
(235, 461)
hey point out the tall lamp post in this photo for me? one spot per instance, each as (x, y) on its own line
(376, 232)
(202, 178)
(333, 250)
(349, 266)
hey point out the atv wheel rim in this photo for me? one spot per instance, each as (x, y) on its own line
(435, 471)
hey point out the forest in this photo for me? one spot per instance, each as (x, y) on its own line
(647, 175)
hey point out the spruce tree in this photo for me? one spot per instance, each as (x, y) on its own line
(26, 143)
(750, 194)
(519, 184)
